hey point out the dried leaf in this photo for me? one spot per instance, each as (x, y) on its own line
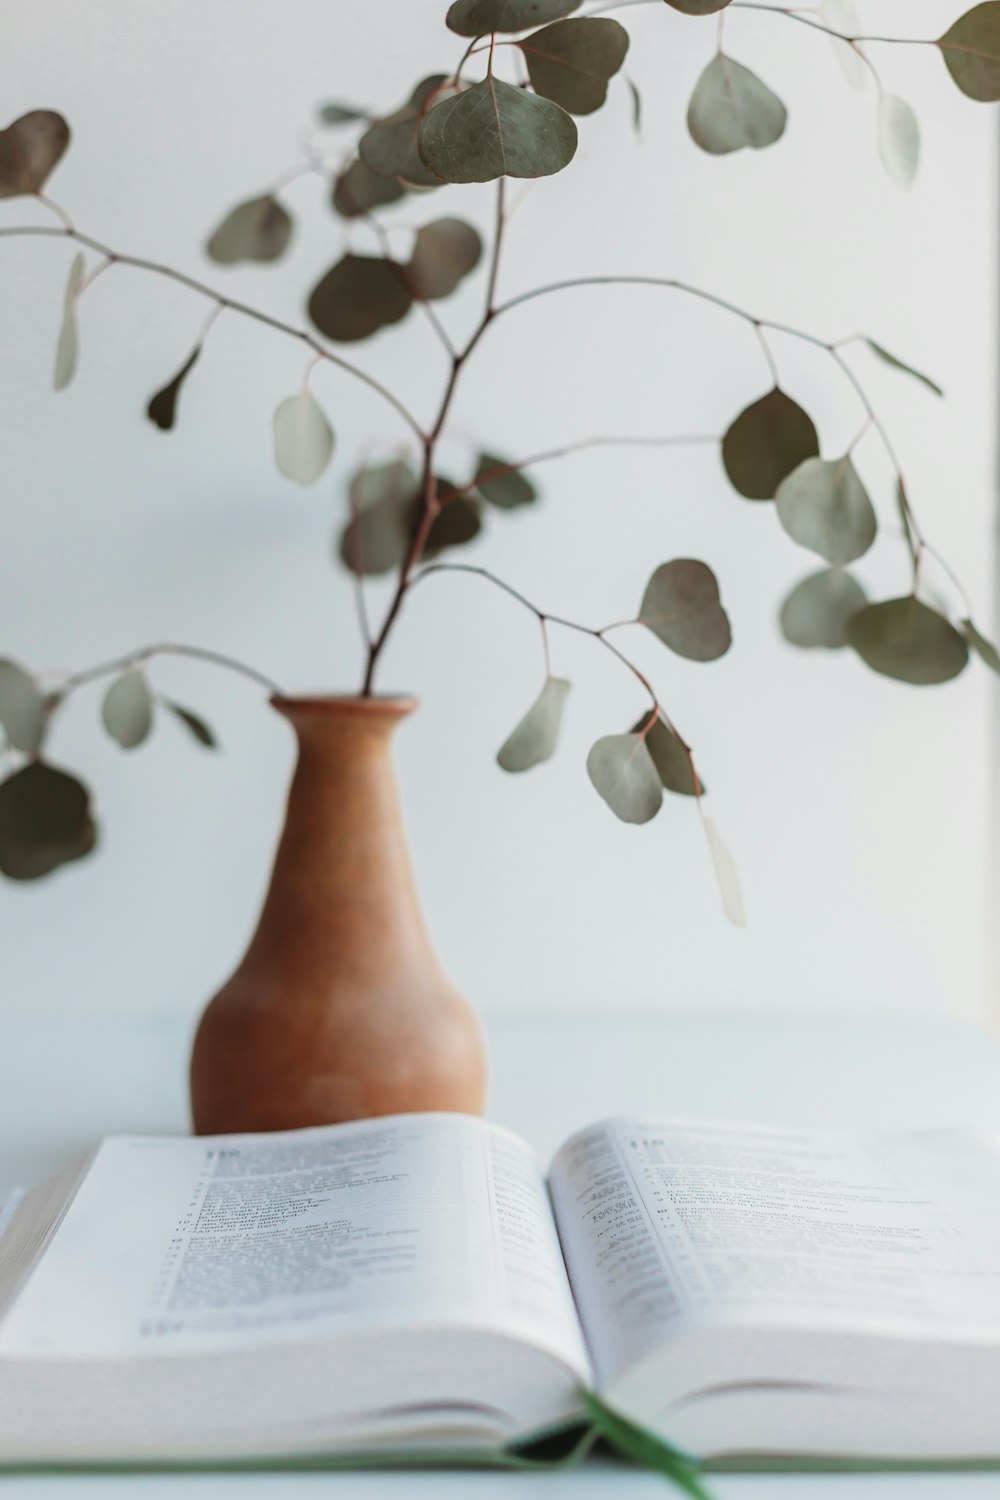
(537, 735)
(303, 438)
(30, 149)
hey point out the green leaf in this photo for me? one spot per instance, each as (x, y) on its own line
(257, 230)
(731, 108)
(622, 771)
(503, 487)
(477, 17)
(342, 114)
(984, 649)
(816, 612)
(727, 876)
(673, 766)
(907, 640)
(359, 190)
(389, 145)
(571, 62)
(537, 735)
(375, 539)
(194, 724)
(769, 439)
(495, 130)
(22, 708)
(698, 7)
(681, 606)
(68, 347)
(457, 523)
(898, 364)
(444, 253)
(162, 408)
(30, 149)
(971, 50)
(636, 106)
(45, 821)
(358, 296)
(824, 506)
(303, 438)
(898, 139)
(644, 1448)
(127, 709)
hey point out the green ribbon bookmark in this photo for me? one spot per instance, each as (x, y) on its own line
(644, 1448)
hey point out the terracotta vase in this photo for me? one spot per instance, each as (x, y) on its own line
(340, 1009)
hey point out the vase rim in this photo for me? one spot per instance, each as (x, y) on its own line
(375, 705)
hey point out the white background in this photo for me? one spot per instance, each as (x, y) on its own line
(859, 809)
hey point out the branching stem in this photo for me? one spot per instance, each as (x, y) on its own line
(144, 654)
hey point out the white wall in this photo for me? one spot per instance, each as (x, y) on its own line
(858, 808)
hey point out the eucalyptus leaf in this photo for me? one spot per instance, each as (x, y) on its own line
(769, 439)
(68, 346)
(127, 710)
(194, 724)
(22, 707)
(816, 612)
(303, 438)
(731, 108)
(636, 98)
(984, 649)
(162, 408)
(622, 771)
(681, 606)
(45, 821)
(506, 488)
(342, 114)
(389, 146)
(375, 539)
(358, 190)
(478, 17)
(843, 16)
(535, 738)
(444, 253)
(898, 364)
(698, 7)
(30, 148)
(906, 639)
(673, 765)
(824, 506)
(971, 50)
(571, 62)
(898, 139)
(495, 130)
(358, 296)
(726, 875)
(456, 524)
(257, 230)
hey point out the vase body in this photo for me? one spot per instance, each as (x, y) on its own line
(340, 1009)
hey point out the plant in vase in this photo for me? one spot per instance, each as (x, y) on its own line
(339, 1008)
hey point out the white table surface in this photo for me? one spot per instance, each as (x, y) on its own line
(66, 1082)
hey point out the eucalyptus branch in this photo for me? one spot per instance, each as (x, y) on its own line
(229, 304)
(791, 14)
(144, 654)
(584, 445)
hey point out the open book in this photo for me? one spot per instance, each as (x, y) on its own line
(417, 1284)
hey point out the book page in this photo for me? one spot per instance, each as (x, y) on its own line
(412, 1220)
(674, 1224)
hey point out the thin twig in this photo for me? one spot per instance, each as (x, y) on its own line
(144, 654)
